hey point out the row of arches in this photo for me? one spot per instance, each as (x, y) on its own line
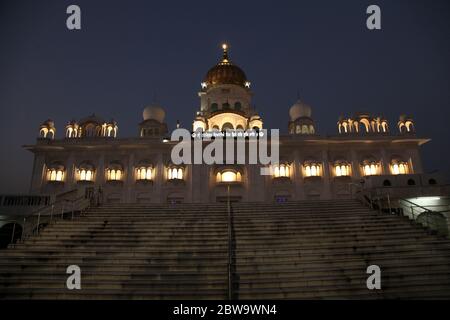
(363, 124)
(146, 172)
(89, 130)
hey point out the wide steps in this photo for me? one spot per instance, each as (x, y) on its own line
(297, 250)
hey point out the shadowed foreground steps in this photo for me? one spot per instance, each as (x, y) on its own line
(298, 250)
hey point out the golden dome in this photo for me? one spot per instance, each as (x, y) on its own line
(225, 72)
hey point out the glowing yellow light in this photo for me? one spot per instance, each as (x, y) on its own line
(224, 46)
(229, 176)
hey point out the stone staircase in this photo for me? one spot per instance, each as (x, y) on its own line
(296, 250)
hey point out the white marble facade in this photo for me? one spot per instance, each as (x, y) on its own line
(312, 166)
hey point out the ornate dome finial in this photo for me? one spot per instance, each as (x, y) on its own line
(225, 59)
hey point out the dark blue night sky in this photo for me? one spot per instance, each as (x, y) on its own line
(128, 52)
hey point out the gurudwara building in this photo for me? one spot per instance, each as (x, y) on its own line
(142, 225)
(366, 150)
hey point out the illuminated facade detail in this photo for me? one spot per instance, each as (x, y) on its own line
(47, 130)
(228, 175)
(342, 169)
(371, 168)
(281, 171)
(91, 127)
(110, 129)
(144, 174)
(72, 129)
(114, 172)
(85, 173)
(312, 169)
(399, 167)
(114, 175)
(406, 125)
(175, 173)
(56, 173)
(363, 123)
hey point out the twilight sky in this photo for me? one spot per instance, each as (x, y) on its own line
(130, 51)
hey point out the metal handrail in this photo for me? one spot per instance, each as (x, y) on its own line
(415, 204)
(47, 214)
(381, 199)
(230, 284)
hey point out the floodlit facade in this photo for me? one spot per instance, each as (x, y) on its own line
(366, 151)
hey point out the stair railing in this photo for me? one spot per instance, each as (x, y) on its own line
(358, 192)
(381, 201)
(33, 222)
(230, 280)
(416, 210)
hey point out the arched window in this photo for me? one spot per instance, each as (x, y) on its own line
(69, 132)
(366, 124)
(228, 176)
(387, 183)
(409, 126)
(345, 125)
(43, 133)
(144, 174)
(305, 129)
(114, 175)
(281, 170)
(237, 106)
(312, 170)
(298, 129)
(342, 169)
(174, 173)
(370, 168)
(227, 126)
(225, 106)
(399, 167)
(51, 134)
(55, 175)
(85, 174)
(214, 107)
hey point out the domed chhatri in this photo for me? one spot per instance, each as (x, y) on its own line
(300, 110)
(154, 112)
(225, 73)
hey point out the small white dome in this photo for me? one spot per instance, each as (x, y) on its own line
(298, 110)
(154, 113)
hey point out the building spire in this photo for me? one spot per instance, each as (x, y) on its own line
(225, 59)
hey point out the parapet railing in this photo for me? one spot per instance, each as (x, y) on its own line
(34, 222)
